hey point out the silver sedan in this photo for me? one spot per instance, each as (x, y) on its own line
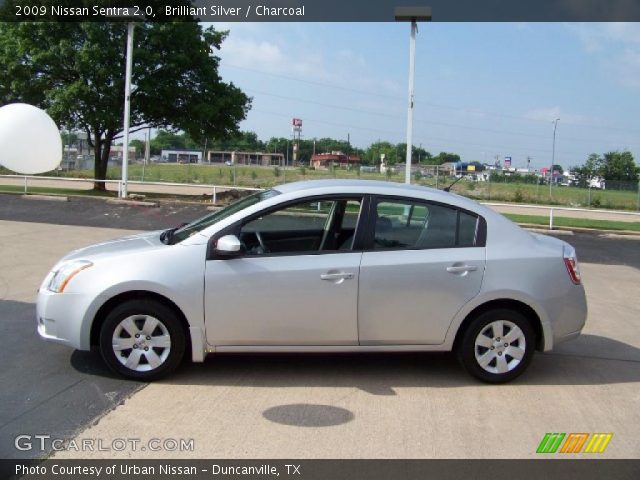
(321, 266)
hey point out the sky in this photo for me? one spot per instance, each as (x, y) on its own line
(481, 89)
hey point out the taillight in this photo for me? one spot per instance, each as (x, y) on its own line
(571, 262)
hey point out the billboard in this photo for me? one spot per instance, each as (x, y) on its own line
(297, 122)
(507, 162)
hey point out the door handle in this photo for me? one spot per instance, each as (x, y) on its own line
(461, 268)
(337, 276)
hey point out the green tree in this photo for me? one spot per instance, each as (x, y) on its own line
(76, 71)
(591, 168)
(445, 157)
(418, 154)
(616, 165)
(619, 166)
(390, 151)
(140, 147)
(165, 140)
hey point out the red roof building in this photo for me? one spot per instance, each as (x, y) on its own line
(323, 161)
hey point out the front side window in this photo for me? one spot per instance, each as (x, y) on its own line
(400, 224)
(305, 227)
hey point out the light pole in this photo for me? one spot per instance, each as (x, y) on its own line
(553, 155)
(127, 104)
(414, 15)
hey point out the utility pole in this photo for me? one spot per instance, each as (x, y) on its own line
(413, 15)
(553, 155)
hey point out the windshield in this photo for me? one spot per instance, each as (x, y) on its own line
(208, 220)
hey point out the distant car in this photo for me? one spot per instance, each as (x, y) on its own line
(321, 266)
(228, 163)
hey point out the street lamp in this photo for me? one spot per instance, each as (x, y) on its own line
(553, 154)
(413, 15)
(130, 18)
(127, 105)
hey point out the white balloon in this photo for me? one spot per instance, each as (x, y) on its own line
(29, 139)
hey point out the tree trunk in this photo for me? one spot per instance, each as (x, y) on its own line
(99, 170)
(101, 158)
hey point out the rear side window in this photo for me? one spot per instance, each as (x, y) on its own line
(404, 224)
(467, 229)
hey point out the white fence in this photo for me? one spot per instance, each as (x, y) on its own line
(215, 189)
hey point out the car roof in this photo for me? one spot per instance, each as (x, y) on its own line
(374, 186)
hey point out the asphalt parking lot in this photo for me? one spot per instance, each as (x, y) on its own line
(308, 406)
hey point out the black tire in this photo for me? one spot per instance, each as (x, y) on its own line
(169, 324)
(466, 347)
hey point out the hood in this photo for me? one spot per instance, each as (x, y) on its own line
(118, 246)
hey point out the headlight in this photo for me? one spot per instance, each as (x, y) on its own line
(65, 273)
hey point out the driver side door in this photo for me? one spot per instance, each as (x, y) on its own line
(296, 281)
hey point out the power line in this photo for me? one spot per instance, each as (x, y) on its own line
(429, 141)
(418, 120)
(436, 105)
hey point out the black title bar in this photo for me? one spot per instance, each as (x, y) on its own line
(577, 469)
(319, 10)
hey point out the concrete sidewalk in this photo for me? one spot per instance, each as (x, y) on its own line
(357, 406)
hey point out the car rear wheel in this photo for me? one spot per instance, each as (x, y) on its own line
(497, 346)
(142, 340)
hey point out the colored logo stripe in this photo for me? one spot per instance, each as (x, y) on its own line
(550, 443)
(598, 442)
(574, 442)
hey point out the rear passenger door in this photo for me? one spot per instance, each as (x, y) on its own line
(422, 262)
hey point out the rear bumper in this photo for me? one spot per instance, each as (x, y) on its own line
(568, 316)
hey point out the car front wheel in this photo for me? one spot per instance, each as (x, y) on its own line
(142, 339)
(497, 346)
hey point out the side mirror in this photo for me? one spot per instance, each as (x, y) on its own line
(228, 246)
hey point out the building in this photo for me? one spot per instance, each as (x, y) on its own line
(323, 161)
(245, 158)
(181, 156)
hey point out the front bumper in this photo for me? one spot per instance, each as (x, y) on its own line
(61, 318)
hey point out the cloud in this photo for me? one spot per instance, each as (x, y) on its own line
(273, 51)
(549, 114)
(616, 45)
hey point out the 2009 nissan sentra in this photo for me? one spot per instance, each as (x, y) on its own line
(321, 266)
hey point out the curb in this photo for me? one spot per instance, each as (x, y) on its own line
(139, 203)
(542, 229)
(55, 198)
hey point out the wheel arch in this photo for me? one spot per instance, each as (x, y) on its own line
(505, 303)
(112, 302)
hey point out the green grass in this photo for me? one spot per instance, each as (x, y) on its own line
(574, 222)
(523, 219)
(266, 177)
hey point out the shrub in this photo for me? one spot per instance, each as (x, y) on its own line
(518, 197)
(276, 171)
